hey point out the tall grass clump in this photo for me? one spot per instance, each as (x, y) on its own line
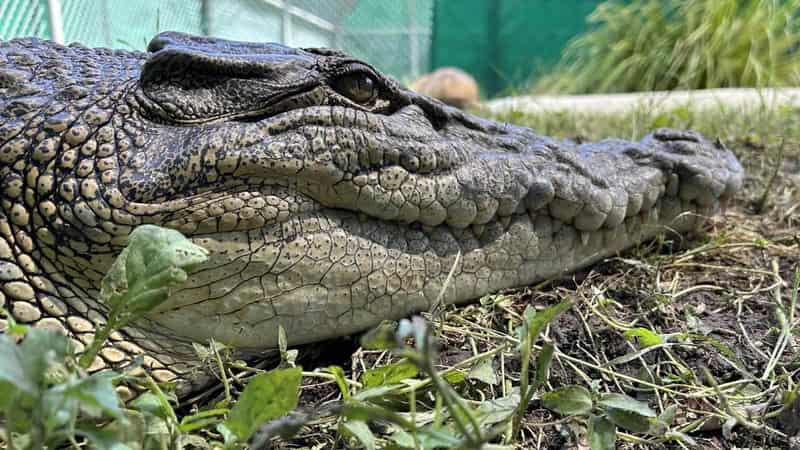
(681, 44)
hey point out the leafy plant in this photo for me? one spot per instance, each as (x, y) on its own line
(154, 262)
(675, 44)
(605, 412)
(47, 399)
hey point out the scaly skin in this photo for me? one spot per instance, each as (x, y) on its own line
(329, 197)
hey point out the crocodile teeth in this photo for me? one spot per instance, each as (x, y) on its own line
(427, 228)
(584, 237)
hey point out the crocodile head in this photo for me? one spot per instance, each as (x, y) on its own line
(329, 196)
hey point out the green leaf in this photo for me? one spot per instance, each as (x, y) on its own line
(536, 321)
(645, 337)
(568, 400)
(267, 396)
(428, 438)
(341, 381)
(359, 430)
(663, 422)
(389, 374)
(454, 377)
(543, 361)
(155, 259)
(229, 438)
(668, 416)
(40, 350)
(96, 392)
(376, 392)
(12, 369)
(150, 403)
(628, 420)
(484, 371)
(625, 403)
(497, 410)
(602, 433)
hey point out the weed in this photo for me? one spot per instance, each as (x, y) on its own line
(657, 45)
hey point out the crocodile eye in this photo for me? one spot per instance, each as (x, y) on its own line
(358, 87)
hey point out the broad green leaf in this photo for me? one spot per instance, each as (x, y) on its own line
(358, 410)
(428, 438)
(359, 430)
(628, 420)
(660, 426)
(568, 400)
(155, 259)
(55, 410)
(497, 410)
(602, 433)
(104, 438)
(668, 416)
(378, 391)
(389, 374)
(536, 321)
(95, 392)
(645, 338)
(40, 350)
(12, 369)
(625, 403)
(484, 371)
(266, 396)
(149, 403)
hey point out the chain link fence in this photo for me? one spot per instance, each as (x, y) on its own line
(395, 35)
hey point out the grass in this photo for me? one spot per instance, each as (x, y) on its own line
(681, 44)
(678, 343)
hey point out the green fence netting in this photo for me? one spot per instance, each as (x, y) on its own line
(394, 35)
(504, 43)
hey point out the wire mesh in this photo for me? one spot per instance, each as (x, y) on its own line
(23, 18)
(395, 36)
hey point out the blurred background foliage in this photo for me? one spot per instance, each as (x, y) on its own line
(656, 45)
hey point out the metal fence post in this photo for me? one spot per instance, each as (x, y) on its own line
(55, 20)
(413, 38)
(286, 23)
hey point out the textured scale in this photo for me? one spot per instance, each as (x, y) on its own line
(322, 214)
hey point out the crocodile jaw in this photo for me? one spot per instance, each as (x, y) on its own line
(327, 232)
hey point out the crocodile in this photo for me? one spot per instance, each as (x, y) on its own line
(328, 196)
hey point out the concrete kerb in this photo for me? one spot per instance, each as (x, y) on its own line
(662, 101)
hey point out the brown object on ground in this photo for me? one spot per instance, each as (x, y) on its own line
(450, 85)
